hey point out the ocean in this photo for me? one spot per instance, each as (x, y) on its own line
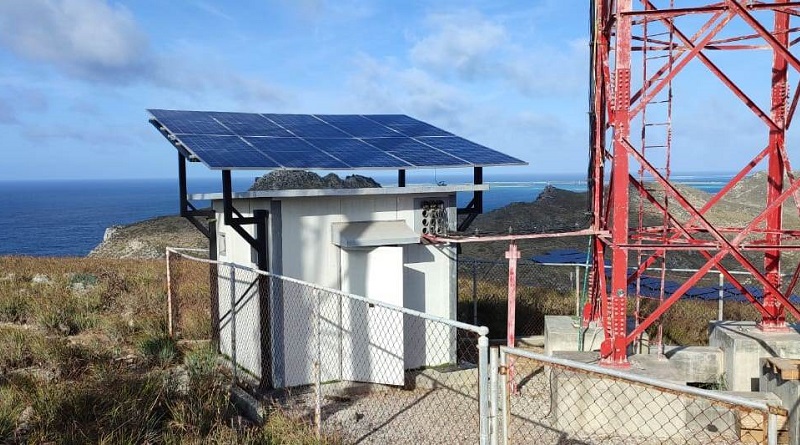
(69, 218)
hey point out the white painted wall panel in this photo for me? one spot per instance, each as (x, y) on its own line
(372, 345)
(309, 255)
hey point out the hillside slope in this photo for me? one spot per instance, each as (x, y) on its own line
(149, 238)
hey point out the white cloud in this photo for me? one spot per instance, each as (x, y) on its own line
(95, 41)
(463, 42)
(475, 48)
(381, 87)
(86, 38)
(548, 70)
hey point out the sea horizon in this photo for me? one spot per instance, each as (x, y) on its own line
(68, 217)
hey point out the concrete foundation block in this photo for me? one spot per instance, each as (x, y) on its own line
(788, 392)
(562, 333)
(743, 346)
(591, 405)
(697, 364)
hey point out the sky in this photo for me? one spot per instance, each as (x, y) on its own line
(76, 77)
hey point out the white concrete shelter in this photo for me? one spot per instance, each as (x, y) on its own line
(360, 241)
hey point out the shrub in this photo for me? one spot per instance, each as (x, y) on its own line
(162, 350)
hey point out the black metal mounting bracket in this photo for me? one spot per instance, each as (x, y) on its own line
(187, 209)
(475, 205)
(233, 218)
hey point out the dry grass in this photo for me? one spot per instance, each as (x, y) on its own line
(84, 358)
(685, 323)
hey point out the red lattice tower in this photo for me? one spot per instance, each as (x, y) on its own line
(625, 35)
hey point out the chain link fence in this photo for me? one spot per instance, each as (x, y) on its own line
(550, 400)
(191, 296)
(560, 289)
(359, 370)
(541, 290)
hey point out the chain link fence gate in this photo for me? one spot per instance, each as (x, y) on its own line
(544, 399)
(360, 370)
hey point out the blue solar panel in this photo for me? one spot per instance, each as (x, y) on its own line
(306, 126)
(226, 151)
(359, 153)
(359, 126)
(408, 126)
(294, 152)
(466, 150)
(192, 122)
(248, 124)
(301, 141)
(414, 152)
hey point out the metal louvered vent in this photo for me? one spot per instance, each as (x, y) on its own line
(432, 217)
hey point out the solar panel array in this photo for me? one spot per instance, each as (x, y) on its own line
(649, 286)
(224, 140)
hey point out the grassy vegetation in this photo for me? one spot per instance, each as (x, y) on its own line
(84, 358)
(685, 323)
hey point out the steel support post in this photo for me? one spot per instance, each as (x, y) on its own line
(776, 319)
(613, 348)
(512, 254)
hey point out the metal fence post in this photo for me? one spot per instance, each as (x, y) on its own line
(317, 366)
(474, 292)
(577, 291)
(170, 322)
(772, 429)
(483, 383)
(720, 304)
(493, 401)
(234, 363)
(504, 394)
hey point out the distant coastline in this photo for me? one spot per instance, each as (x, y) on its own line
(69, 218)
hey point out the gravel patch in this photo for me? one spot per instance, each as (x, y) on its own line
(397, 416)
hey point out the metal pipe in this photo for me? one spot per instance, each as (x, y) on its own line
(480, 239)
(170, 324)
(772, 429)
(511, 321)
(577, 291)
(474, 293)
(317, 368)
(662, 384)
(480, 330)
(512, 254)
(493, 380)
(483, 383)
(504, 393)
(720, 304)
(233, 325)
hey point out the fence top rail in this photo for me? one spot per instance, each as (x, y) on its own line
(480, 330)
(649, 381)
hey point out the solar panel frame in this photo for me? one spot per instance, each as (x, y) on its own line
(330, 142)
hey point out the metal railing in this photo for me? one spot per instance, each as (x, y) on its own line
(543, 399)
(359, 369)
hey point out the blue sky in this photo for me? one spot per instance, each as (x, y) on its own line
(77, 75)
